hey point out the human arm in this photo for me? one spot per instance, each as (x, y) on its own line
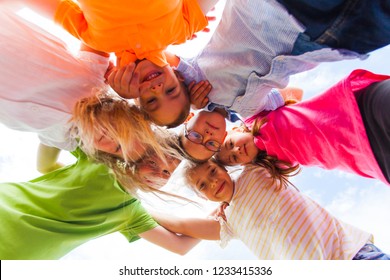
(201, 228)
(47, 159)
(207, 5)
(198, 94)
(291, 94)
(84, 47)
(179, 244)
(46, 8)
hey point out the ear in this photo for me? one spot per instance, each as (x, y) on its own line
(179, 76)
(190, 115)
(223, 140)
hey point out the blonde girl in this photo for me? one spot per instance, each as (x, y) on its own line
(273, 223)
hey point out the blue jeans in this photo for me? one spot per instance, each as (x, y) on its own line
(357, 25)
(371, 252)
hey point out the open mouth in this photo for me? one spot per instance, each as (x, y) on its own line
(152, 76)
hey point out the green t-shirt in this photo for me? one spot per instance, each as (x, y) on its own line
(49, 216)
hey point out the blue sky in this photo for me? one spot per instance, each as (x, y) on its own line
(356, 200)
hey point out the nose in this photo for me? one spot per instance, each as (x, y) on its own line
(213, 183)
(157, 87)
(208, 132)
(237, 150)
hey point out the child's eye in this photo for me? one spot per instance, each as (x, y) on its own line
(202, 186)
(234, 158)
(171, 90)
(231, 145)
(213, 171)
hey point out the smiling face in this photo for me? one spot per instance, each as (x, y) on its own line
(154, 172)
(211, 126)
(162, 96)
(212, 182)
(238, 148)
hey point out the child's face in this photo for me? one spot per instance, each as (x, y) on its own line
(164, 98)
(212, 182)
(154, 172)
(238, 148)
(107, 144)
(211, 129)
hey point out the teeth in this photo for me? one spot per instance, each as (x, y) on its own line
(152, 76)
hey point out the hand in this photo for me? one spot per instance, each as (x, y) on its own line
(198, 94)
(110, 69)
(291, 94)
(220, 211)
(125, 81)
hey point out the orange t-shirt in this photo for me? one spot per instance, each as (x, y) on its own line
(135, 29)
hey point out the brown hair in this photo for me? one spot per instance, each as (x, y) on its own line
(279, 170)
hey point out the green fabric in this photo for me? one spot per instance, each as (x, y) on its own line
(49, 216)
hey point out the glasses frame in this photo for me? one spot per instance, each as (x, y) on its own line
(187, 132)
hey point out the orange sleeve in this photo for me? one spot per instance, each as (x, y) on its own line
(194, 16)
(71, 18)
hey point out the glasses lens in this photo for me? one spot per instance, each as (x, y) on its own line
(213, 146)
(195, 137)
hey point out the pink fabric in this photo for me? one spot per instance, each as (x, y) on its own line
(325, 131)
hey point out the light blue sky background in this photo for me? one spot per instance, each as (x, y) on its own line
(362, 202)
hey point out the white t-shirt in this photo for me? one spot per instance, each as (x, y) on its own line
(40, 80)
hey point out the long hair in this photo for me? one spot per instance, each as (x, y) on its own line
(279, 170)
(107, 113)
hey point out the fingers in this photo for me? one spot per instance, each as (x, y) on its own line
(198, 93)
(123, 81)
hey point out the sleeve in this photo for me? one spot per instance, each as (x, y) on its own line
(97, 64)
(274, 100)
(190, 70)
(194, 16)
(226, 234)
(139, 221)
(71, 18)
(258, 97)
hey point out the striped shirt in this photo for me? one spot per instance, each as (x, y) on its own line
(286, 224)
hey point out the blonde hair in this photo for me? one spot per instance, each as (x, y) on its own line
(115, 117)
(127, 173)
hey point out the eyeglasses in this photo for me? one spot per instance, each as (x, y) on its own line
(197, 138)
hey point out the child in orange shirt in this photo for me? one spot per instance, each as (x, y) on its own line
(133, 30)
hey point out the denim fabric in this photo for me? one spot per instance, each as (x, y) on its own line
(357, 25)
(371, 252)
